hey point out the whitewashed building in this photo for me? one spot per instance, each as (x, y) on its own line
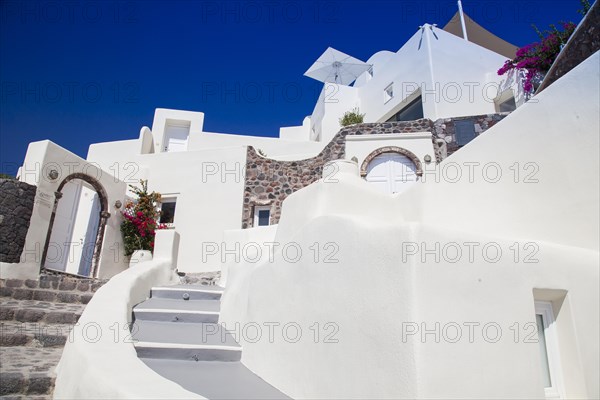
(203, 176)
(404, 269)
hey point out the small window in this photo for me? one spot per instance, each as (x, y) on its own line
(167, 211)
(464, 131)
(369, 73)
(388, 93)
(548, 344)
(176, 135)
(262, 216)
(505, 101)
(507, 105)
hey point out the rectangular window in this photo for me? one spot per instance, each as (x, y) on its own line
(176, 135)
(262, 215)
(507, 105)
(388, 93)
(548, 347)
(369, 74)
(411, 112)
(167, 210)
(464, 132)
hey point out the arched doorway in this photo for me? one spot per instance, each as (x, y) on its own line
(391, 169)
(76, 228)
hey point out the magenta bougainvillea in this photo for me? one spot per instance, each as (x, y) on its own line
(536, 58)
(140, 220)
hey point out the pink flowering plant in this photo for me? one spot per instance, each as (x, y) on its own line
(140, 220)
(536, 58)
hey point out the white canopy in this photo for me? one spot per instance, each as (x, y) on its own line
(337, 67)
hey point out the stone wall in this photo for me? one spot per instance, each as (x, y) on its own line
(584, 42)
(269, 182)
(16, 205)
(443, 128)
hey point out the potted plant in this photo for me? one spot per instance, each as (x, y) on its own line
(352, 117)
(140, 222)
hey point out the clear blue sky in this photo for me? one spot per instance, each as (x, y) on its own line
(83, 72)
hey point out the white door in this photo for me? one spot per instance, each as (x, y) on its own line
(92, 201)
(59, 247)
(176, 137)
(391, 172)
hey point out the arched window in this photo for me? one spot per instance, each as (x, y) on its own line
(391, 169)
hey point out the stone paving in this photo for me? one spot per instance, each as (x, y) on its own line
(26, 370)
(36, 317)
(39, 311)
(15, 333)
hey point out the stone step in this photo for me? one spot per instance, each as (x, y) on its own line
(216, 380)
(187, 352)
(51, 295)
(27, 397)
(56, 282)
(39, 311)
(190, 341)
(33, 334)
(28, 371)
(171, 310)
(194, 292)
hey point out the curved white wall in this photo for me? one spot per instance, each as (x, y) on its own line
(378, 288)
(99, 360)
(41, 158)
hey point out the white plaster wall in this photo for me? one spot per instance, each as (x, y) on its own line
(360, 146)
(296, 133)
(253, 244)
(41, 157)
(119, 149)
(409, 68)
(273, 147)
(161, 115)
(377, 62)
(502, 293)
(556, 133)
(376, 288)
(467, 77)
(146, 141)
(449, 71)
(357, 301)
(209, 187)
(333, 102)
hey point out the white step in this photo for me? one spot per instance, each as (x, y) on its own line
(171, 310)
(194, 292)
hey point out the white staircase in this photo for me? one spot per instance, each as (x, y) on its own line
(177, 335)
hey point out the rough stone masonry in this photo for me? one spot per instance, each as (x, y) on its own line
(16, 205)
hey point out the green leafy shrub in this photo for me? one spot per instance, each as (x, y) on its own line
(352, 117)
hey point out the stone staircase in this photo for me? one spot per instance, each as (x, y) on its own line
(36, 317)
(176, 333)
